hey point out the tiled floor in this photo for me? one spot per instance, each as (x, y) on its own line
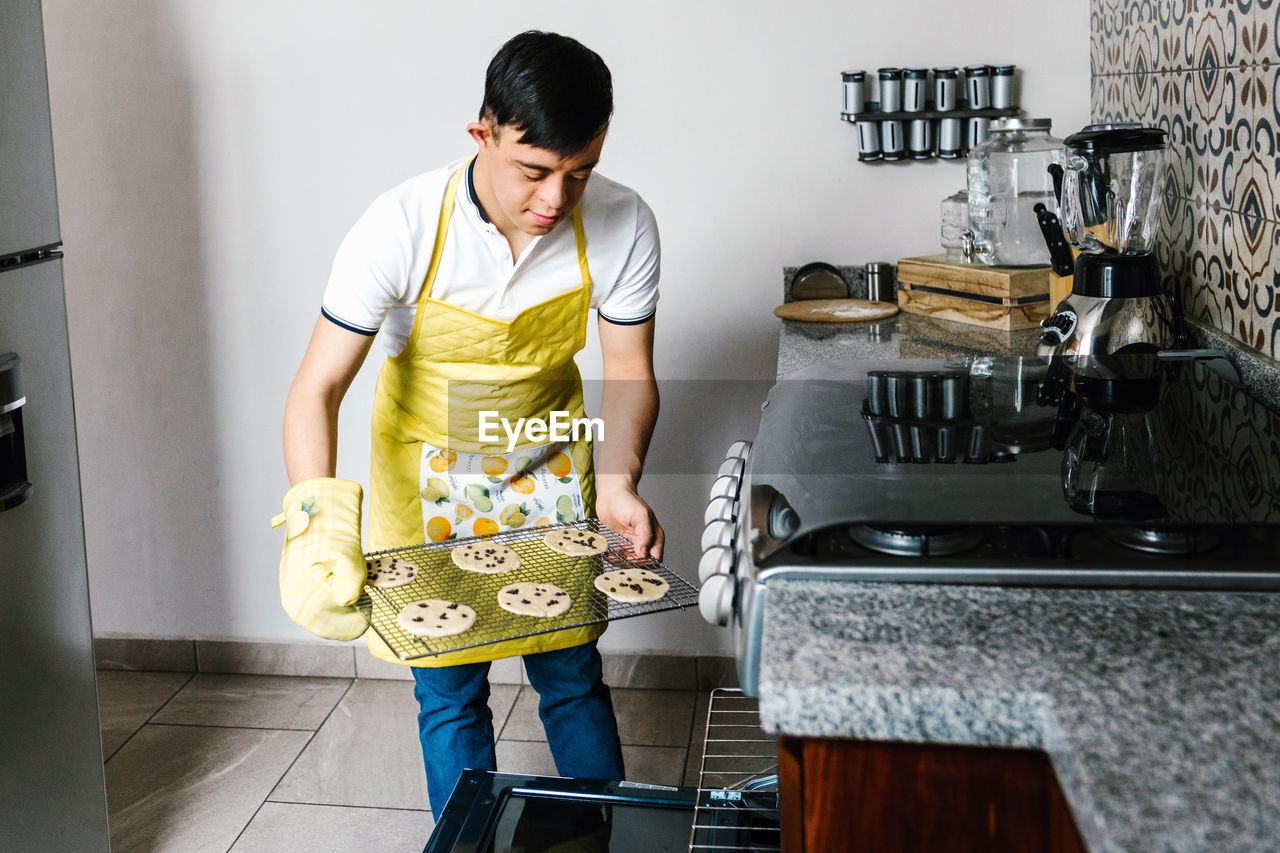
(264, 764)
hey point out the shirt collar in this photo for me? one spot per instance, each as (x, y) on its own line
(471, 192)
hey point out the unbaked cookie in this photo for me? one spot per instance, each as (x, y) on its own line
(486, 557)
(632, 585)
(533, 599)
(432, 617)
(388, 572)
(575, 542)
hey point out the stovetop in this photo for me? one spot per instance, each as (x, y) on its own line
(997, 464)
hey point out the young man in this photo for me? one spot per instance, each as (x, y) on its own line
(480, 277)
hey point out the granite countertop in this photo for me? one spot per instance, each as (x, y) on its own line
(1160, 711)
(901, 336)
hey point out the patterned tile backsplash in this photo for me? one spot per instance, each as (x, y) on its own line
(1208, 73)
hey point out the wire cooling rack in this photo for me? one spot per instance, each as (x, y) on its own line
(439, 577)
(738, 784)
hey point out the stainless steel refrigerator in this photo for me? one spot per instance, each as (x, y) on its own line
(52, 788)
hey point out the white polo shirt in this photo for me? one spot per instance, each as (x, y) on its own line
(380, 266)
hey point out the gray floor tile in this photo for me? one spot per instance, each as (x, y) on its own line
(523, 723)
(367, 666)
(502, 671)
(126, 700)
(655, 765)
(521, 756)
(717, 671)
(658, 672)
(697, 737)
(145, 655)
(189, 788)
(332, 660)
(254, 701)
(654, 717)
(367, 752)
(282, 827)
(645, 717)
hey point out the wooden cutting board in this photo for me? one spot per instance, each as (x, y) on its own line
(835, 310)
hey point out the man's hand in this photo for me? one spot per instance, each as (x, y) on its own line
(623, 511)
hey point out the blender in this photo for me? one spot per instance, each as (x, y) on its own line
(1111, 186)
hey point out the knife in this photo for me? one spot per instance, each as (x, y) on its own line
(1059, 252)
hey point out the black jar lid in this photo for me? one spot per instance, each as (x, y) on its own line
(1102, 139)
(977, 70)
(947, 72)
(917, 73)
(853, 76)
(1108, 276)
(890, 73)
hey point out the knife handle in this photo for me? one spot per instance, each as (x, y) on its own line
(1059, 252)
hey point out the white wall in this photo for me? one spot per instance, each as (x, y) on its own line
(211, 156)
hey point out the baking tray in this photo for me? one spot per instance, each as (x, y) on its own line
(440, 578)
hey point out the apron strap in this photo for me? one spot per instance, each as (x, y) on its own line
(442, 230)
(580, 241)
(437, 251)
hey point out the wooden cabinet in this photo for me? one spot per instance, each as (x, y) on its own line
(845, 795)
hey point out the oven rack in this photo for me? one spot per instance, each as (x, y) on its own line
(439, 577)
(737, 806)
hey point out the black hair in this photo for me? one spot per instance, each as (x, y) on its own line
(553, 89)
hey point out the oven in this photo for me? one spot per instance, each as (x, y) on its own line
(734, 807)
(1147, 471)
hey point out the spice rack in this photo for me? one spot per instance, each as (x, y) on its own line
(874, 113)
(907, 124)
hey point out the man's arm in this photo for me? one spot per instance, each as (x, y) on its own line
(332, 360)
(629, 410)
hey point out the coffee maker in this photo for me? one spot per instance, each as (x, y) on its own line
(1109, 204)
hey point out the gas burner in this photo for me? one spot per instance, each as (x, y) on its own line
(917, 541)
(1166, 542)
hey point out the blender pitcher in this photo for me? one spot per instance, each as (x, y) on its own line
(1111, 188)
(1110, 203)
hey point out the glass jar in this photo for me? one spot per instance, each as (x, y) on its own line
(1008, 175)
(955, 226)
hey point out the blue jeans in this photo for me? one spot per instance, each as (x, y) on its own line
(455, 724)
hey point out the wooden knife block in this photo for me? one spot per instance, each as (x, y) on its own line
(1007, 298)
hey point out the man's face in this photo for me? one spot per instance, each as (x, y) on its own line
(532, 188)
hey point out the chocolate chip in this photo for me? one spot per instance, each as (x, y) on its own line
(453, 606)
(525, 601)
(417, 619)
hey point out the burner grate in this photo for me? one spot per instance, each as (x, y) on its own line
(440, 578)
(738, 783)
(916, 542)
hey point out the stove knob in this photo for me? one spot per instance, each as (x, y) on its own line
(715, 599)
(720, 508)
(731, 466)
(716, 561)
(725, 486)
(719, 534)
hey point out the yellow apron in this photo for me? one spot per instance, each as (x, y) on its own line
(426, 421)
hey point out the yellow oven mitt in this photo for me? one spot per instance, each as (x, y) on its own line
(322, 569)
